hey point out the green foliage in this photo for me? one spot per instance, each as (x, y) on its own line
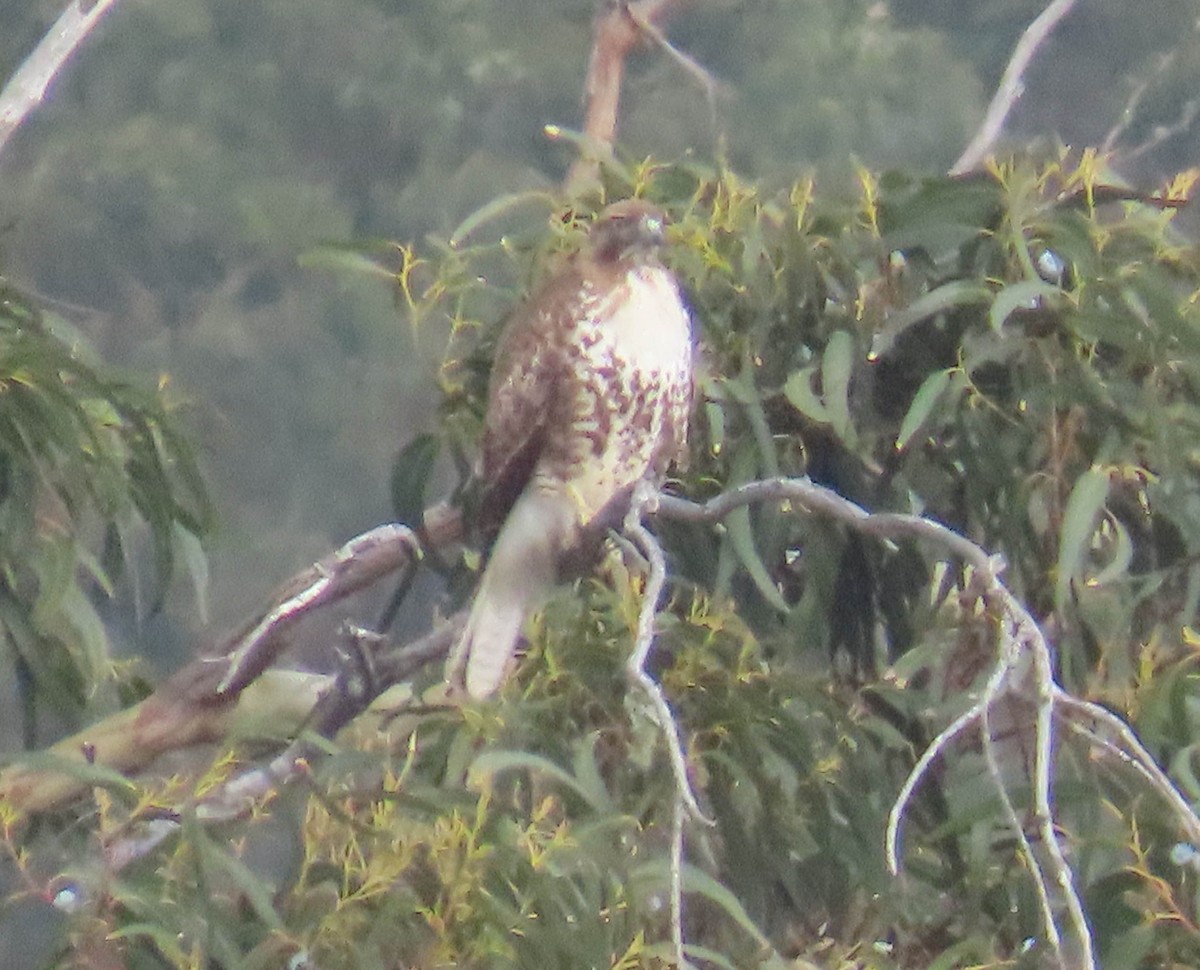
(85, 458)
(1008, 353)
(1013, 354)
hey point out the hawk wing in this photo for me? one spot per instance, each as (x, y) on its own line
(525, 395)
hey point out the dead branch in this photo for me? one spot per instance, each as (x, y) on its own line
(359, 563)
(27, 88)
(201, 700)
(617, 30)
(1021, 672)
(1023, 669)
(1133, 102)
(644, 503)
(1011, 87)
(364, 676)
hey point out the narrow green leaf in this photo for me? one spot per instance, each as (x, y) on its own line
(741, 537)
(495, 209)
(799, 392)
(410, 478)
(195, 560)
(257, 892)
(92, 647)
(715, 418)
(924, 401)
(1122, 555)
(1079, 522)
(54, 562)
(92, 775)
(837, 366)
(956, 293)
(1026, 294)
(588, 776)
(365, 258)
(656, 873)
(494, 762)
(973, 950)
(160, 934)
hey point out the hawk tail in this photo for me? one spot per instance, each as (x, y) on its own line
(519, 575)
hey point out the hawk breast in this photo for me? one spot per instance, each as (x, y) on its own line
(591, 392)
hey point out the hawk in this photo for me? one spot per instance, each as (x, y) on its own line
(589, 396)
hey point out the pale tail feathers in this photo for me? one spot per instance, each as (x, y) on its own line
(519, 576)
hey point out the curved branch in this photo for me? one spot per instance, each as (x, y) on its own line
(1023, 669)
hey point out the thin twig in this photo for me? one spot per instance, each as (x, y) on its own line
(644, 502)
(1186, 117)
(26, 89)
(1135, 752)
(1136, 95)
(1011, 87)
(679, 809)
(688, 64)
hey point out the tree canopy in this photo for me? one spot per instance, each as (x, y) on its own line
(1011, 354)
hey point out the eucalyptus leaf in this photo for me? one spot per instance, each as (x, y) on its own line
(958, 293)
(497, 208)
(924, 401)
(1022, 295)
(837, 365)
(799, 391)
(1083, 508)
(497, 762)
(411, 472)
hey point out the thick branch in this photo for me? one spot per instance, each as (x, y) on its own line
(1022, 672)
(198, 702)
(362, 679)
(617, 31)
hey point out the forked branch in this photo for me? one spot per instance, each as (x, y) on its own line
(1022, 670)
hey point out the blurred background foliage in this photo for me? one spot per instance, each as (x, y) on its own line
(1011, 353)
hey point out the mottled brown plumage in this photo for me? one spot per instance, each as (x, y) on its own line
(590, 394)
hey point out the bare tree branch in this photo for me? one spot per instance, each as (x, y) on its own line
(618, 28)
(1023, 669)
(1160, 133)
(26, 89)
(1011, 87)
(198, 702)
(1022, 672)
(344, 698)
(1133, 102)
(644, 502)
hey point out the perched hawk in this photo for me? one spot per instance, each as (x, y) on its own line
(590, 394)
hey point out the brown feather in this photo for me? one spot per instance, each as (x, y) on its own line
(590, 394)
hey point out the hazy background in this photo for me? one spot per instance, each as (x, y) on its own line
(196, 151)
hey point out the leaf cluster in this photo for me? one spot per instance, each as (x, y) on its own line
(1012, 353)
(94, 469)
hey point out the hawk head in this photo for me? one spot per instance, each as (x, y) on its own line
(632, 230)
